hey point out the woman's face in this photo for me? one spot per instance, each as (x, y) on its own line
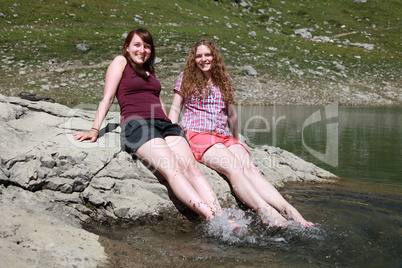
(203, 59)
(138, 50)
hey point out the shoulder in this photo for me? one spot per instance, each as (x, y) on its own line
(118, 63)
(180, 78)
(120, 59)
(177, 87)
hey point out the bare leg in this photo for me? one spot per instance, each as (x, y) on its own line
(183, 154)
(265, 189)
(158, 154)
(221, 159)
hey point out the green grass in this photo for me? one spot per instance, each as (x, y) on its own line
(38, 31)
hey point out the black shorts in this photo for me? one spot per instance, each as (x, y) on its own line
(136, 132)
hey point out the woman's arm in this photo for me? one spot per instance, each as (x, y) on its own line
(112, 80)
(162, 105)
(233, 121)
(175, 109)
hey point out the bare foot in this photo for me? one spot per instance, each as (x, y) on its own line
(291, 213)
(273, 218)
(235, 225)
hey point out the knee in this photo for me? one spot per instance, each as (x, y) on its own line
(253, 171)
(250, 170)
(239, 166)
(236, 168)
(193, 171)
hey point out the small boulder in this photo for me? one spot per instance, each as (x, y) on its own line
(252, 34)
(82, 47)
(248, 70)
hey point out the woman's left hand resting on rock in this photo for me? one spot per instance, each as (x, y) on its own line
(91, 135)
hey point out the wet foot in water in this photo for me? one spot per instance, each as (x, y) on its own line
(292, 214)
(273, 218)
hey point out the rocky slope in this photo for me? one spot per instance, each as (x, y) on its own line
(59, 80)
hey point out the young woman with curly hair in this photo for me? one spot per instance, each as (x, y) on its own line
(206, 92)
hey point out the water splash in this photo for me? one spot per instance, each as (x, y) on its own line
(300, 232)
(236, 226)
(230, 227)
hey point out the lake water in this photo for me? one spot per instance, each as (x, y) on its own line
(357, 221)
(363, 143)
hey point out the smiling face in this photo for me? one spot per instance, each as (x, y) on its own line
(138, 50)
(203, 59)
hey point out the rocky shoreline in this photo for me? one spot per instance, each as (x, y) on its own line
(50, 184)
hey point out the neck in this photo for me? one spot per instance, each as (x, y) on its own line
(208, 76)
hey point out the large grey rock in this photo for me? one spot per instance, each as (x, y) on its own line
(32, 236)
(39, 153)
(56, 182)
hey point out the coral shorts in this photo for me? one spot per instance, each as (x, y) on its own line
(201, 142)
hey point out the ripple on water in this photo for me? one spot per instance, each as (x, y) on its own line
(353, 226)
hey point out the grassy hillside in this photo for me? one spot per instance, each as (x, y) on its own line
(39, 36)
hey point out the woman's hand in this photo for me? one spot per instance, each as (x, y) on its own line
(90, 135)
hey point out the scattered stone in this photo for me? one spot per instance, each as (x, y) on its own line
(60, 70)
(45, 87)
(320, 38)
(249, 70)
(82, 47)
(296, 71)
(362, 45)
(252, 34)
(138, 19)
(244, 3)
(339, 67)
(158, 60)
(304, 32)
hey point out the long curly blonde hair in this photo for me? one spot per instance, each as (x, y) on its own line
(194, 82)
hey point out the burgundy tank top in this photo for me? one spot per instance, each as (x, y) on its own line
(138, 97)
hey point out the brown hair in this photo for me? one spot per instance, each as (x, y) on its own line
(194, 82)
(148, 66)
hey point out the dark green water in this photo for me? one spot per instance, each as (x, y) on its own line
(365, 141)
(357, 222)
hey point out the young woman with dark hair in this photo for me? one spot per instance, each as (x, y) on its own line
(147, 132)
